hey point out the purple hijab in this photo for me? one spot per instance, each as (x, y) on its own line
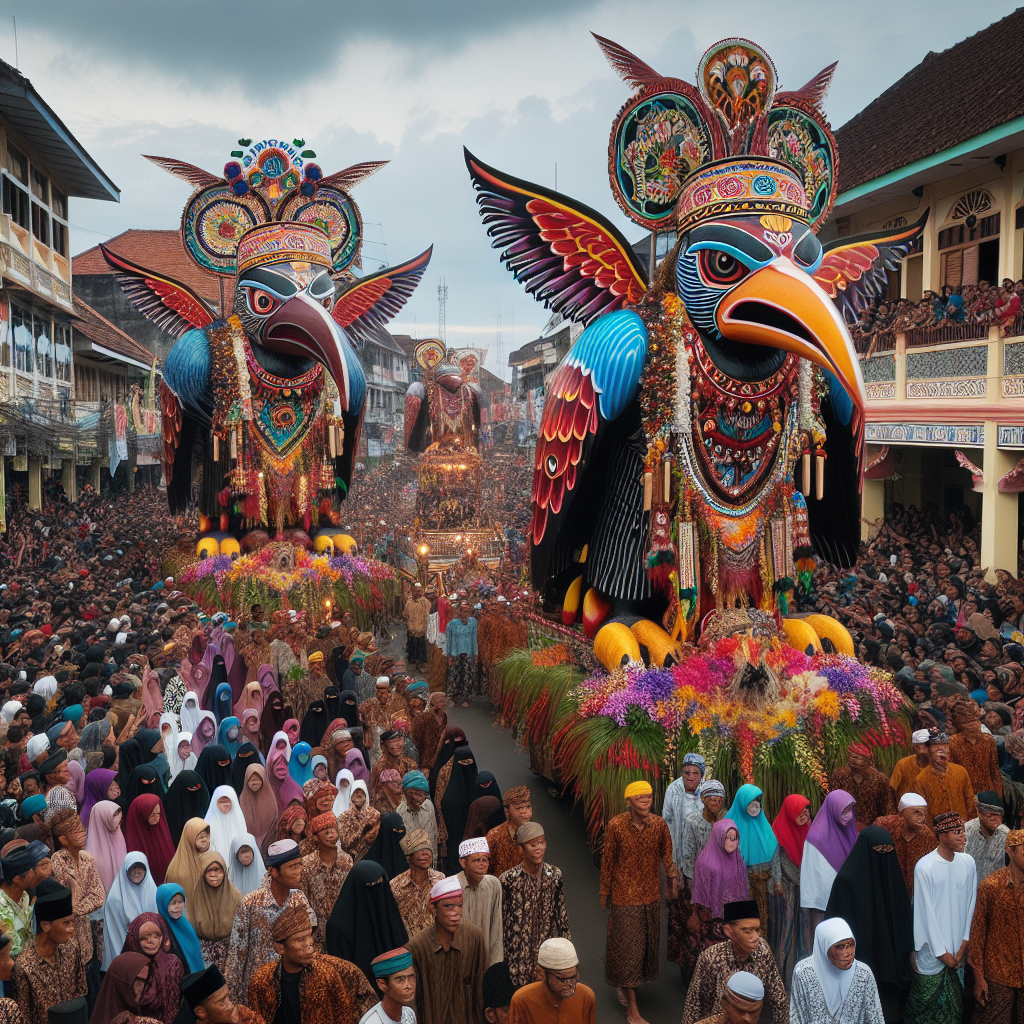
(96, 784)
(286, 789)
(77, 782)
(267, 680)
(354, 763)
(719, 877)
(828, 835)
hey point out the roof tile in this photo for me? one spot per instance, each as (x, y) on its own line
(103, 332)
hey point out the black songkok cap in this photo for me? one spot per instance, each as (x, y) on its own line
(201, 985)
(54, 905)
(740, 910)
(498, 987)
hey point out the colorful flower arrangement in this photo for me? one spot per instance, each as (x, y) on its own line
(611, 728)
(323, 586)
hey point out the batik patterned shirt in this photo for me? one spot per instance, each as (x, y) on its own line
(413, 900)
(872, 793)
(87, 893)
(717, 964)
(989, 852)
(532, 911)
(630, 860)
(321, 884)
(40, 984)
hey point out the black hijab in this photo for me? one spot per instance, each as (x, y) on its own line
(144, 779)
(870, 895)
(386, 849)
(246, 755)
(218, 675)
(271, 720)
(214, 766)
(454, 736)
(486, 785)
(315, 722)
(349, 708)
(187, 798)
(332, 702)
(148, 739)
(130, 756)
(365, 921)
(458, 795)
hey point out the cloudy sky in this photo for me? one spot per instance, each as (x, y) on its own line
(521, 84)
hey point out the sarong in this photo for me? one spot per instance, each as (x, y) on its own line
(1004, 1006)
(934, 998)
(631, 954)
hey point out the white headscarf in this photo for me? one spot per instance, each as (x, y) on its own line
(124, 903)
(344, 797)
(46, 686)
(170, 739)
(835, 984)
(36, 745)
(191, 712)
(189, 764)
(10, 709)
(246, 879)
(281, 735)
(224, 827)
(359, 784)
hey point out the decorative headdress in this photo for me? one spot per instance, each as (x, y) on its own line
(732, 144)
(270, 183)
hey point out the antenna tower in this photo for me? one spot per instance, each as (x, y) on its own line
(442, 300)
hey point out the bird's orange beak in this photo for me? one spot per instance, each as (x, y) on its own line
(781, 306)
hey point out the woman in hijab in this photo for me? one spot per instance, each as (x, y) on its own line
(252, 699)
(128, 978)
(211, 909)
(453, 738)
(150, 936)
(318, 764)
(214, 767)
(267, 679)
(280, 744)
(387, 794)
(358, 826)
(292, 825)
(790, 934)
(144, 780)
(258, 803)
(183, 757)
(191, 712)
(187, 798)
(365, 921)
(343, 783)
(133, 892)
(487, 785)
(170, 904)
(299, 767)
(184, 868)
(246, 756)
(291, 730)
(356, 764)
(205, 733)
(105, 841)
(97, 788)
(285, 788)
(719, 877)
(229, 735)
(271, 719)
(348, 709)
(332, 705)
(245, 863)
(225, 818)
(211, 699)
(869, 893)
(250, 720)
(129, 757)
(829, 841)
(386, 849)
(455, 794)
(830, 985)
(485, 813)
(146, 831)
(758, 846)
(314, 722)
(330, 742)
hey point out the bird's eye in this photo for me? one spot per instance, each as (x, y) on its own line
(720, 269)
(261, 302)
(551, 465)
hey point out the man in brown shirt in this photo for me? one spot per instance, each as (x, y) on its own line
(997, 937)
(635, 842)
(863, 781)
(324, 872)
(50, 969)
(450, 958)
(975, 751)
(911, 834)
(904, 775)
(501, 840)
(411, 888)
(416, 611)
(946, 787)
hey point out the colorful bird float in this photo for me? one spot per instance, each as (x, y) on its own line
(680, 485)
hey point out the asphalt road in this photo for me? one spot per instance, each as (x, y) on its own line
(495, 750)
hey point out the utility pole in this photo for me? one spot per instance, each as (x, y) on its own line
(442, 300)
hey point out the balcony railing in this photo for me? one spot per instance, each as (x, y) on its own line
(942, 333)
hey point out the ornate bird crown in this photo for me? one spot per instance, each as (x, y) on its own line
(679, 154)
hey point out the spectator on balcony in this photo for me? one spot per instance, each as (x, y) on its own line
(955, 312)
(1007, 306)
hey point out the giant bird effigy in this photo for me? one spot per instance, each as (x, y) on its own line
(680, 482)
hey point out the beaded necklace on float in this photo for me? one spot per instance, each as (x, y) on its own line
(276, 429)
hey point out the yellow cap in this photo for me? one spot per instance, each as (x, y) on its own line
(641, 788)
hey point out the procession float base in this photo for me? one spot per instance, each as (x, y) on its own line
(282, 575)
(757, 710)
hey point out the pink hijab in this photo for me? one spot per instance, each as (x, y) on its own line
(105, 841)
(152, 698)
(285, 788)
(267, 680)
(291, 730)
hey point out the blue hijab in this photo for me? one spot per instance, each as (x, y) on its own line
(757, 840)
(230, 745)
(181, 930)
(222, 702)
(300, 767)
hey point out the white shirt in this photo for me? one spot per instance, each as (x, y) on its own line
(376, 1015)
(944, 896)
(816, 878)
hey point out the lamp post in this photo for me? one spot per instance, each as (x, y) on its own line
(423, 553)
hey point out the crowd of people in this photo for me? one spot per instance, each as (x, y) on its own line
(982, 303)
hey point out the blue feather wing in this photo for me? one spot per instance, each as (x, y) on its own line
(187, 372)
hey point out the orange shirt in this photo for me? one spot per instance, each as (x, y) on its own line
(531, 1006)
